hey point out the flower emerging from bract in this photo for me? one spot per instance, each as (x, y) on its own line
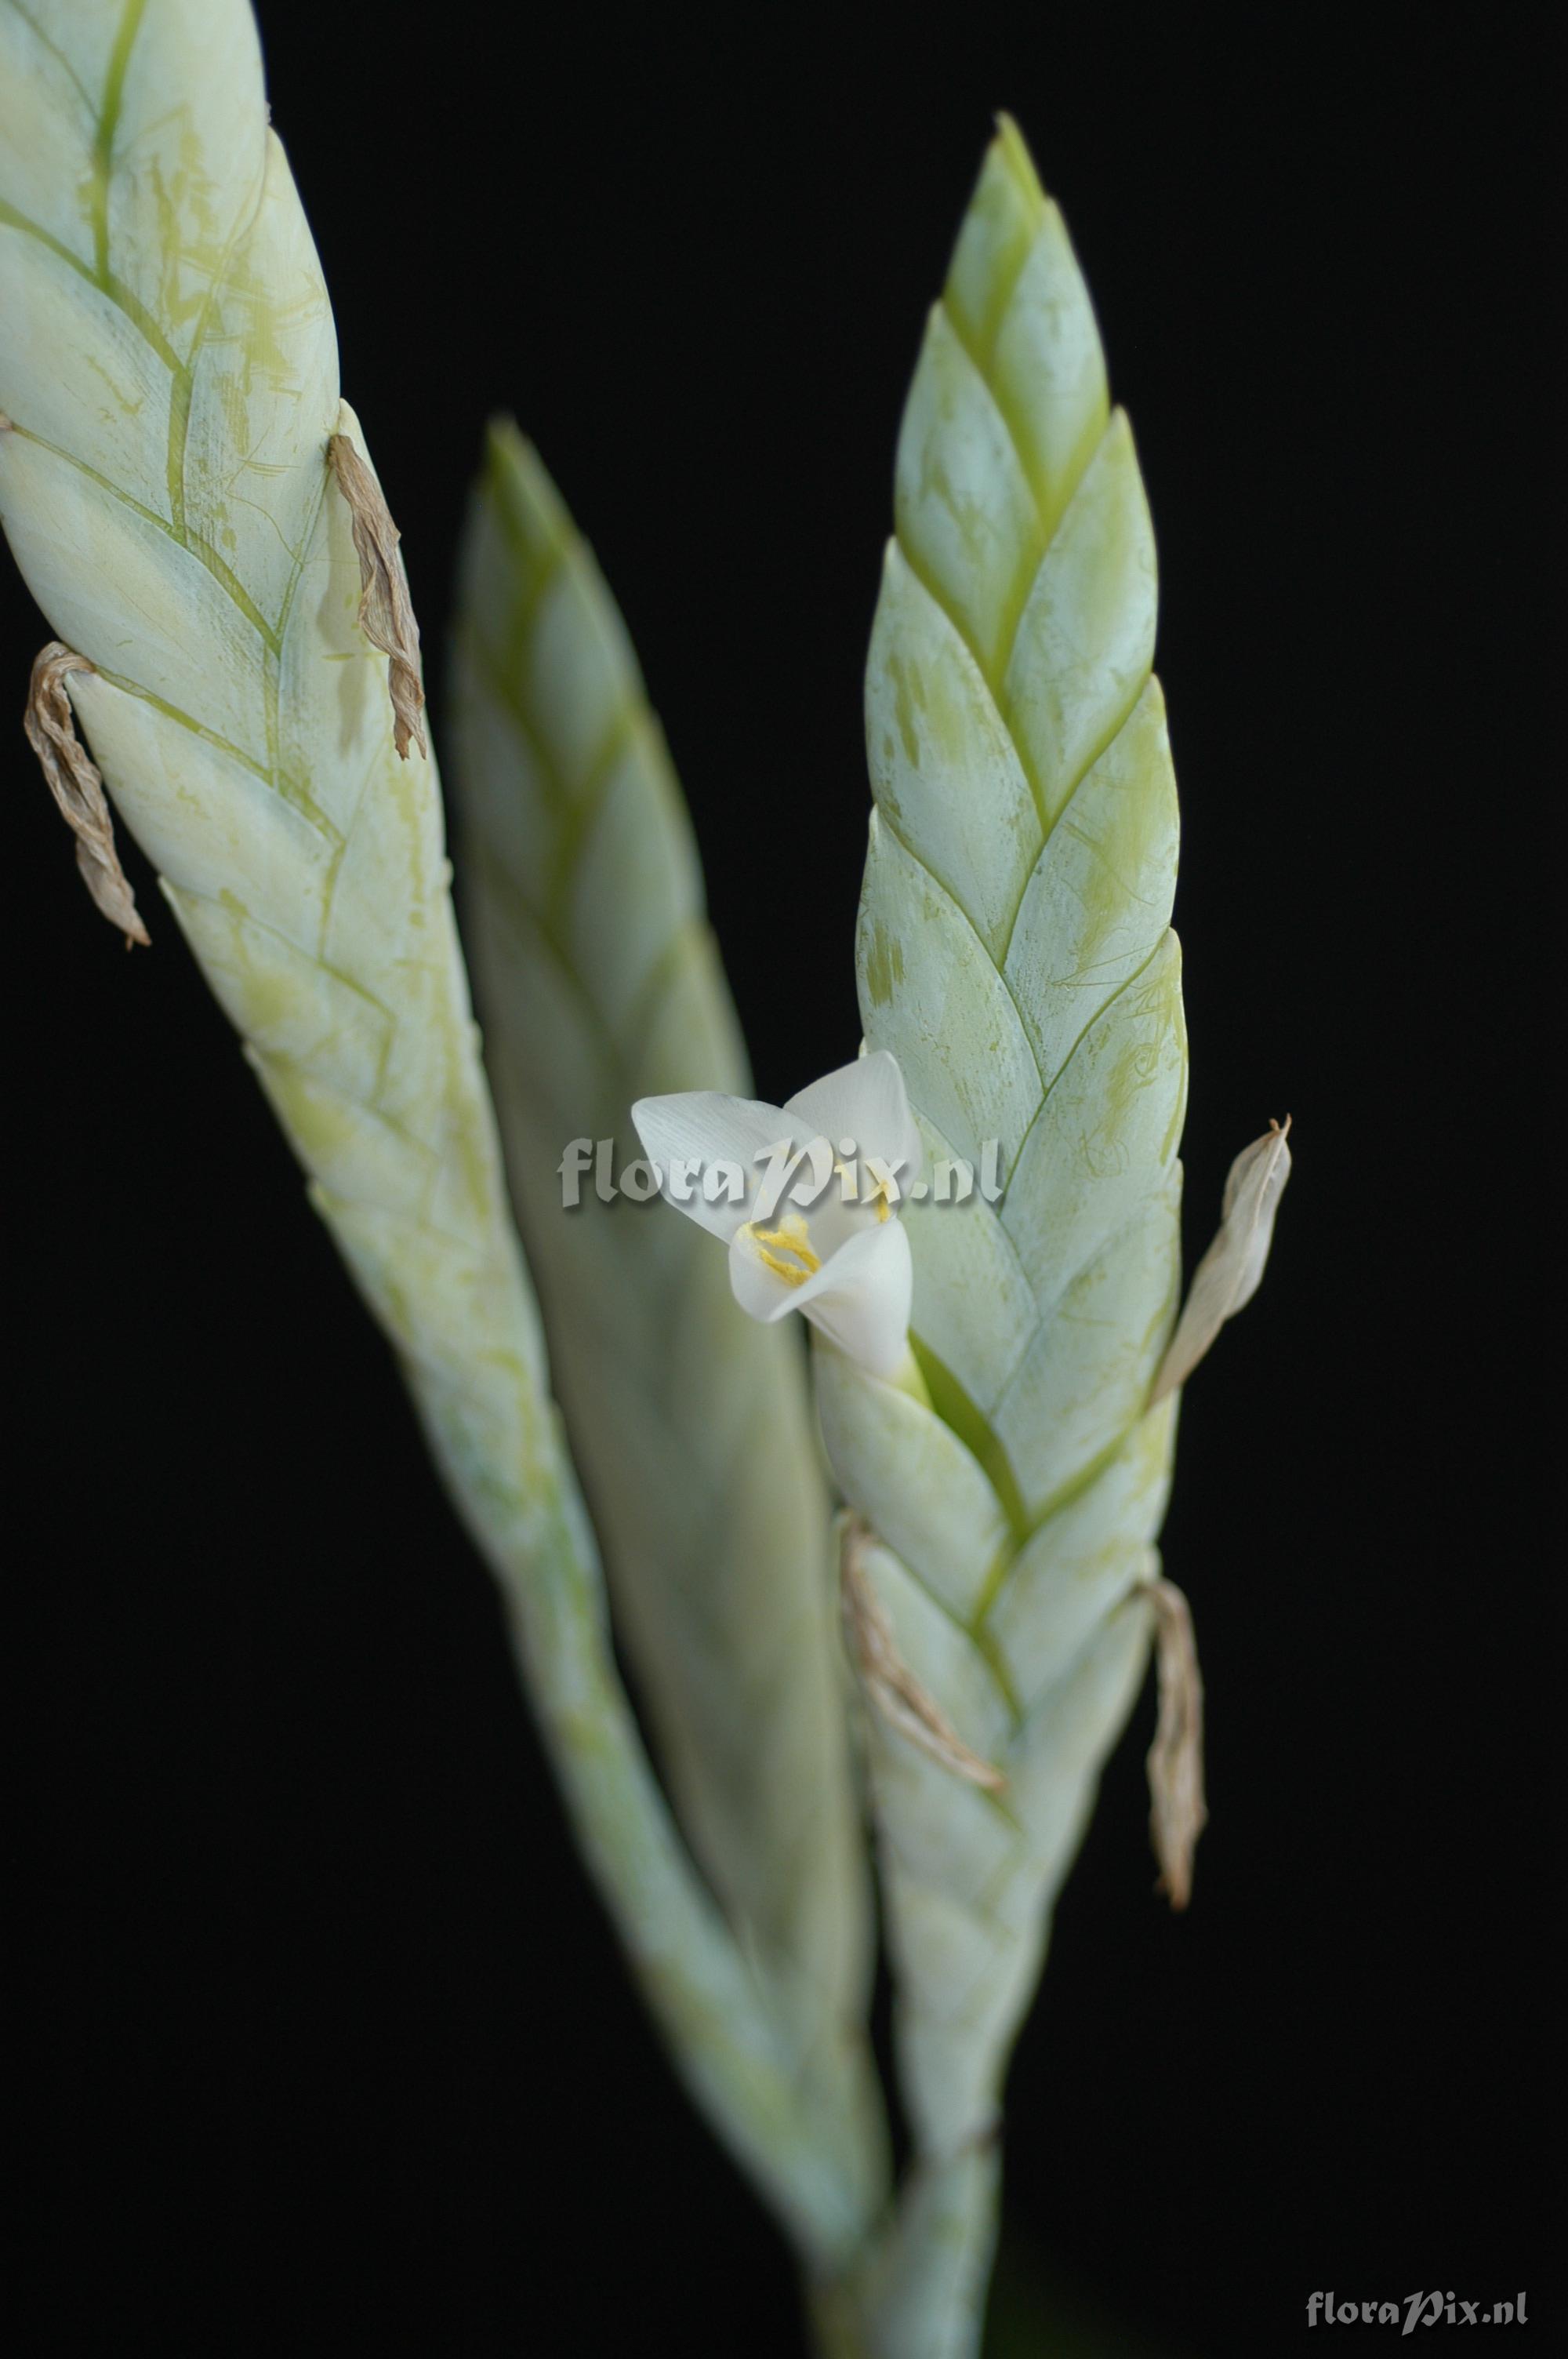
(805, 1196)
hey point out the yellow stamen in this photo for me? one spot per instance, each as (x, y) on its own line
(787, 1250)
(879, 1196)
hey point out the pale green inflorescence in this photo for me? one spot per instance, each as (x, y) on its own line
(168, 380)
(600, 984)
(168, 384)
(1014, 954)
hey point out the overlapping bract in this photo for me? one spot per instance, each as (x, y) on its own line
(600, 984)
(1014, 954)
(169, 387)
(171, 380)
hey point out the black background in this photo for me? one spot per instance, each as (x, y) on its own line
(330, 2045)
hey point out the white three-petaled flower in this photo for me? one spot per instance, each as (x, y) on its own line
(827, 1242)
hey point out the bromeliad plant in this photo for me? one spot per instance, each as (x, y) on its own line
(995, 1370)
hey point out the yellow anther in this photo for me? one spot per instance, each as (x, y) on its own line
(787, 1250)
(879, 1197)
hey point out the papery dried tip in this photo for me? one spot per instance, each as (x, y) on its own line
(77, 787)
(1230, 1272)
(386, 611)
(887, 1678)
(1178, 1812)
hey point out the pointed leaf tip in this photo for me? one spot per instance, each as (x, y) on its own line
(1011, 150)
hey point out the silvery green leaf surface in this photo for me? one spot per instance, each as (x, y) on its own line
(168, 382)
(599, 984)
(1014, 953)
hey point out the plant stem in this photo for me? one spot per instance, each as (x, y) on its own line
(919, 2291)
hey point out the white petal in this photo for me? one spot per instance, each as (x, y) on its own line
(866, 1102)
(702, 1128)
(834, 1222)
(861, 1298)
(759, 1289)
